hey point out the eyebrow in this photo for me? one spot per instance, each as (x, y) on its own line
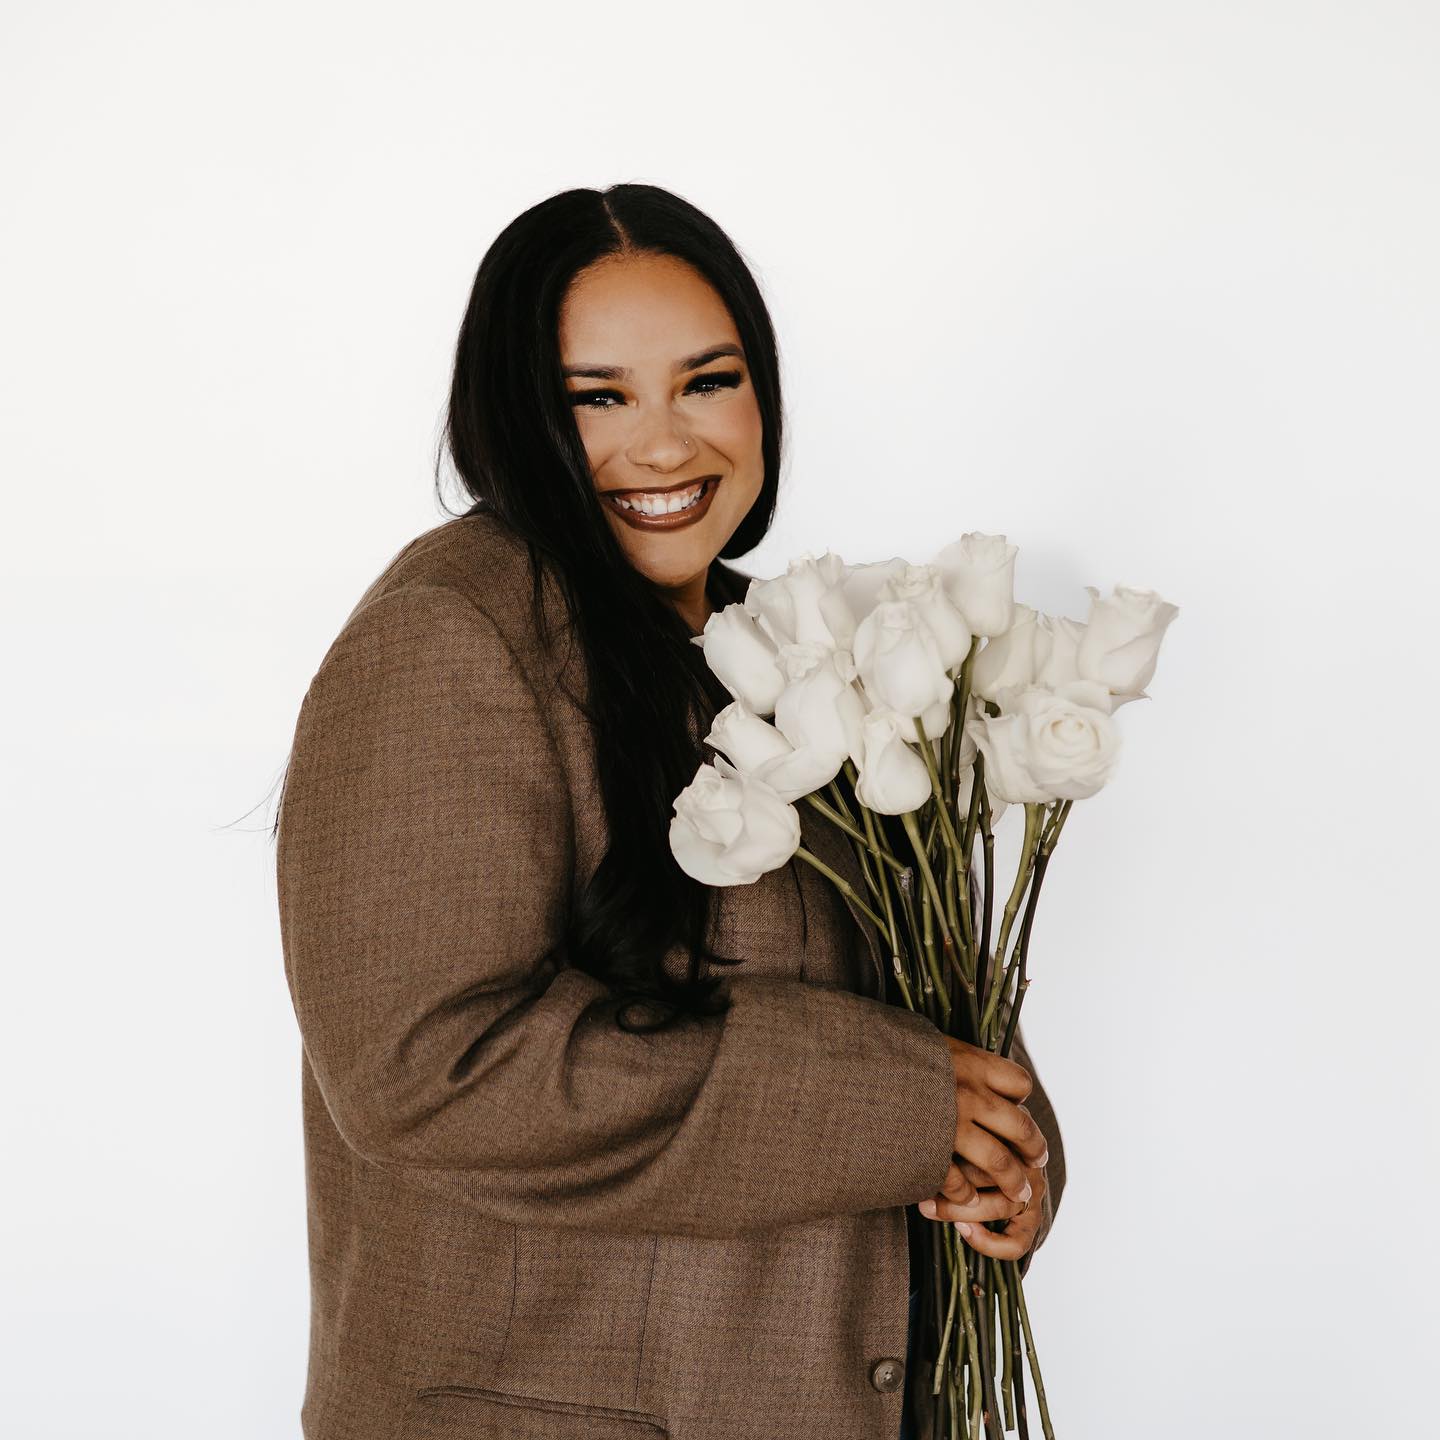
(619, 372)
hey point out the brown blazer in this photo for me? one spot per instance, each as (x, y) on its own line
(523, 1221)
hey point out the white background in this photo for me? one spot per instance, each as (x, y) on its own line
(1149, 288)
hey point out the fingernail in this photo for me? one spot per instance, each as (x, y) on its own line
(963, 1228)
(1025, 1193)
(1044, 1159)
(927, 1209)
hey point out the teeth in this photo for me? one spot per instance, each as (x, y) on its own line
(664, 504)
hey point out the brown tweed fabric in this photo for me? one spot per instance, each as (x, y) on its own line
(523, 1221)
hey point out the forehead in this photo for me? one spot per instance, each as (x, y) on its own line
(650, 307)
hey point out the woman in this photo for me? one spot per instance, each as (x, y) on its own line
(561, 1181)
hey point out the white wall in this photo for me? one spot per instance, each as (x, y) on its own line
(1151, 289)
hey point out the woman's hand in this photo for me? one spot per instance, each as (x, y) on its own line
(997, 1168)
(1023, 1222)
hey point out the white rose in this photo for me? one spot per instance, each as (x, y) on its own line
(923, 586)
(801, 772)
(730, 828)
(1122, 639)
(744, 738)
(862, 584)
(1056, 643)
(979, 573)
(757, 747)
(1048, 744)
(900, 667)
(806, 605)
(820, 709)
(742, 657)
(1009, 660)
(893, 779)
(965, 767)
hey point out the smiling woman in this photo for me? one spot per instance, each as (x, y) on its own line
(652, 507)
(564, 1179)
(615, 354)
(675, 440)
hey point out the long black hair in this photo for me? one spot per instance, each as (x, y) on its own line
(511, 436)
(515, 447)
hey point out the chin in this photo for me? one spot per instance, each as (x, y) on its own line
(673, 570)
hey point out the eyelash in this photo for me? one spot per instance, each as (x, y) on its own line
(722, 379)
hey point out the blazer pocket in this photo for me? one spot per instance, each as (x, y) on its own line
(470, 1412)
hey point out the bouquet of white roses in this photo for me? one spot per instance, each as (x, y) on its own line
(922, 700)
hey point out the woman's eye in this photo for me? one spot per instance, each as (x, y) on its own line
(711, 383)
(720, 379)
(592, 397)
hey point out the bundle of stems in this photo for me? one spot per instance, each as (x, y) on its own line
(933, 916)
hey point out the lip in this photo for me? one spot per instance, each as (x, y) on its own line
(676, 521)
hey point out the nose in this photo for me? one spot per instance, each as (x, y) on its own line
(660, 444)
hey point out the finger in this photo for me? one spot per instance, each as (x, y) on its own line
(1008, 1076)
(976, 1143)
(988, 1205)
(977, 1175)
(985, 1189)
(1014, 1124)
(956, 1187)
(1008, 1244)
(1023, 1226)
(983, 1180)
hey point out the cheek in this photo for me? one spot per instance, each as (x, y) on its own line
(592, 437)
(739, 433)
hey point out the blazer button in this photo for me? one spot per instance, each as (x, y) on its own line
(887, 1374)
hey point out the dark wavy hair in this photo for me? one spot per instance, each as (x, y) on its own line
(511, 435)
(517, 452)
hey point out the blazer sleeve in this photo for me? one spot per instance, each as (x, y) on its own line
(424, 865)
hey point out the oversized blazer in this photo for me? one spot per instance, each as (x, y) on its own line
(524, 1221)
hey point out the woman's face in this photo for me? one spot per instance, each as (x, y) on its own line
(662, 399)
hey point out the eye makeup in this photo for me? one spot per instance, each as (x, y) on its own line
(719, 379)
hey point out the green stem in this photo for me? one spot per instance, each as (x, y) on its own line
(852, 830)
(972, 1334)
(942, 804)
(959, 854)
(1058, 819)
(1008, 1341)
(1024, 949)
(892, 935)
(1022, 878)
(987, 838)
(945, 1334)
(926, 873)
(962, 696)
(840, 881)
(921, 975)
(1034, 1360)
(964, 1388)
(1022, 1408)
(932, 891)
(840, 802)
(982, 1294)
